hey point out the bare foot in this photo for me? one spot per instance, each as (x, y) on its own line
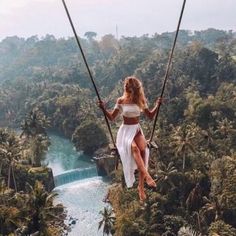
(141, 193)
(150, 181)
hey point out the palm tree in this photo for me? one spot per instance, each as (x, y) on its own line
(39, 146)
(35, 123)
(17, 212)
(9, 219)
(45, 215)
(26, 130)
(107, 220)
(182, 140)
(194, 175)
(10, 152)
(187, 231)
(208, 136)
(212, 206)
(225, 127)
(5, 192)
(164, 173)
(219, 228)
(194, 200)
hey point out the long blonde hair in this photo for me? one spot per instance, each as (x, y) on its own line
(136, 95)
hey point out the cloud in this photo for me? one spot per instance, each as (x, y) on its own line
(10, 6)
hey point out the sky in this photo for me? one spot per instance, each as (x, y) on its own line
(26, 18)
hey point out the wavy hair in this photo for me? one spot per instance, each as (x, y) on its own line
(135, 92)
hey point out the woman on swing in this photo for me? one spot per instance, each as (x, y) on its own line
(130, 142)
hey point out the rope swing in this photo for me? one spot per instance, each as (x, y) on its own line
(167, 71)
(95, 87)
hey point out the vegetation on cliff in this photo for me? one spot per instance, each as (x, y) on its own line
(26, 204)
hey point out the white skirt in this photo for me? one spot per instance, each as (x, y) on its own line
(125, 137)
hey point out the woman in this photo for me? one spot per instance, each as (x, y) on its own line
(131, 143)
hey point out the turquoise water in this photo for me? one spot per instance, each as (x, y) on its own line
(83, 198)
(62, 156)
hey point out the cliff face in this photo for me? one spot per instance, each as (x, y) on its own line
(105, 164)
(43, 174)
(106, 160)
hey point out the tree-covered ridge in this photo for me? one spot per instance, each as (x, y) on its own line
(36, 58)
(194, 164)
(203, 59)
(59, 91)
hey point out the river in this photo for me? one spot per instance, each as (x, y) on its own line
(79, 188)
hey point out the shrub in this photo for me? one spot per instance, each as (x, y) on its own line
(88, 137)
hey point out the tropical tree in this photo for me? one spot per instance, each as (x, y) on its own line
(188, 231)
(9, 219)
(213, 207)
(225, 128)
(38, 148)
(90, 35)
(10, 153)
(165, 174)
(194, 200)
(221, 228)
(107, 221)
(35, 123)
(89, 136)
(183, 140)
(46, 216)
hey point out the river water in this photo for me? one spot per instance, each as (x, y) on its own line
(82, 198)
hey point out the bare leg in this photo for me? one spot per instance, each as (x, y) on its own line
(142, 144)
(141, 192)
(137, 145)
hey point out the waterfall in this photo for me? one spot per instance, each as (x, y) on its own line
(73, 175)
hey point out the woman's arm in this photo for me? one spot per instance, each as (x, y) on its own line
(151, 113)
(111, 115)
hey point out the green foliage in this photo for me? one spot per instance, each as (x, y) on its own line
(89, 136)
(223, 179)
(34, 124)
(173, 223)
(44, 212)
(222, 229)
(10, 153)
(107, 221)
(9, 219)
(195, 133)
(187, 231)
(31, 209)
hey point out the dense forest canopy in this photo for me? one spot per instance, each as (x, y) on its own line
(44, 83)
(49, 73)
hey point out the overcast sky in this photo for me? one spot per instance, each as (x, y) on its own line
(132, 17)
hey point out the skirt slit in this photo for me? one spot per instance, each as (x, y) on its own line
(125, 137)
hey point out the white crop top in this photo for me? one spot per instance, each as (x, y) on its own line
(128, 110)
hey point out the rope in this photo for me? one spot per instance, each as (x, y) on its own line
(167, 70)
(88, 69)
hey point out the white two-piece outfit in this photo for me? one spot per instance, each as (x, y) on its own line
(124, 139)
